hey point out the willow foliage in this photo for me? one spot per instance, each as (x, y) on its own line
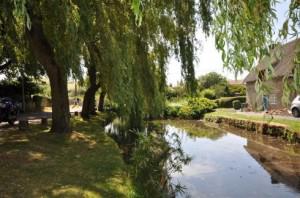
(244, 34)
(133, 40)
(243, 31)
(134, 51)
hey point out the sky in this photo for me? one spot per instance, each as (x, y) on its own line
(209, 58)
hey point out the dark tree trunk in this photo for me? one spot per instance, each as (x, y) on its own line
(101, 101)
(60, 103)
(88, 106)
(57, 74)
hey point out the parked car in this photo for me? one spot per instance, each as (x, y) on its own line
(9, 110)
(295, 107)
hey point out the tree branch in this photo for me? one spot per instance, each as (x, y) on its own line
(5, 65)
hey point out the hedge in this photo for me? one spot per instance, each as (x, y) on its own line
(236, 104)
(226, 102)
(194, 109)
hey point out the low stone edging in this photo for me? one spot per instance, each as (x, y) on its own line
(276, 130)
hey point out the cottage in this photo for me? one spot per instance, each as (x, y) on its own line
(282, 60)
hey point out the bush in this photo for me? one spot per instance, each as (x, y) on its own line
(237, 90)
(226, 102)
(175, 92)
(200, 106)
(13, 88)
(194, 109)
(171, 111)
(236, 104)
(209, 94)
(186, 112)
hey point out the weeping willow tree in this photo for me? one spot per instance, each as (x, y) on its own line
(135, 49)
(292, 27)
(49, 32)
(127, 44)
(185, 19)
(245, 34)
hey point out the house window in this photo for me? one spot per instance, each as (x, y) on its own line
(262, 75)
(273, 99)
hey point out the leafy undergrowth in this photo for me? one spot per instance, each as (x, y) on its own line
(84, 163)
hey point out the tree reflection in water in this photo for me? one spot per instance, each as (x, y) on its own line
(153, 157)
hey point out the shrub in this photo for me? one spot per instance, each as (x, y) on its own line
(194, 109)
(221, 90)
(226, 102)
(237, 90)
(236, 104)
(209, 94)
(171, 111)
(175, 92)
(186, 112)
(200, 106)
(13, 88)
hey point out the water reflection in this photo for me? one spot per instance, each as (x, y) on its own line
(195, 129)
(153, 157)
(125, 139)
(283, 167)
(238, 164)
(224, 164)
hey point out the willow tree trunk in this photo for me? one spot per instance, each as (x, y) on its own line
(101, 101)
(88, 106)
(57, 74)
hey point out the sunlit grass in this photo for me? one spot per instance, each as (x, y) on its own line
(293, 125)
(84, 163)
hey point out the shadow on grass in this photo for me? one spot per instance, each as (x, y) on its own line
(84, 163)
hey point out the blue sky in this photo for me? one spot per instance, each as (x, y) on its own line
(209, 59)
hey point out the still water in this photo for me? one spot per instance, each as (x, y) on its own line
(234, 164)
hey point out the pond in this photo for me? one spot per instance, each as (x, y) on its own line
(228, 163)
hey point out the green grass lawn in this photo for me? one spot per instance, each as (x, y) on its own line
(293, 125)
(84, 163)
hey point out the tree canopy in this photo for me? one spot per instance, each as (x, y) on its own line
(127, 44)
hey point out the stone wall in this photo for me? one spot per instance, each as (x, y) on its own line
(276, 130)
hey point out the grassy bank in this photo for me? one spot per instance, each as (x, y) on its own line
(291, 125)
(84, 163)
